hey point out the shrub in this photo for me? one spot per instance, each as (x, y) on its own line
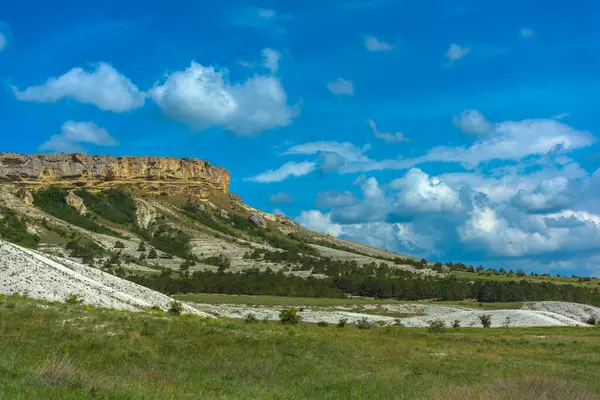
(322, 324)
(436, 326)
(342, 322)
(221, 261)
(486, 320)
(364, 323)
(175, 308)
(73, 299)
(250, 318)
(289, 316)
(142, 247)
(456, 324)
(119, 245)
(398, 322)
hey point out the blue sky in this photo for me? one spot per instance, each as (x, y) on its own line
(452, 130)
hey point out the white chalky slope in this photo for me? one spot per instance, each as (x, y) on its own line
(27, 271)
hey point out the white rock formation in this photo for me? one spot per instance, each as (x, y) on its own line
(28, 272)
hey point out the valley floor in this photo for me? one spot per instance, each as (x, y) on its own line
(51, 350)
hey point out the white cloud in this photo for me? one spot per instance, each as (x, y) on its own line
(335, 199)
(418, 193)
(510, 140)
(472, 121)
(346, 150)
(202, 97)
(387, 136)
(317, 221)
(551, 194)
(526, 33)
(2, 41)
(74, 133)
(281, 198)
(456, 52)
(246, 64)
(373, 44)
(341, 86)
(104, 87)
(287, 170)
(487, 229)
(271, 60)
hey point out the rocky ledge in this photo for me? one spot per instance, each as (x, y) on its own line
(156, 175)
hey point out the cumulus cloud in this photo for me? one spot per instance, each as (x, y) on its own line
(317, 221)
(341, 86)
(373, 44)
(73, 134)
(445, 217)
(472, 121)
(287, 170)
(387, 136)
(456, 52)
(419, 193)
(550, 195)
(281, 198)
(202, 97)
(102, 86)
(491, 232)
(271, 59)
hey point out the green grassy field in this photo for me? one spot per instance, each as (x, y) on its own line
(55, 351)
(209, 298)
(592, 283)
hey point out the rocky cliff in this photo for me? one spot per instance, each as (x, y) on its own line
(154, 175)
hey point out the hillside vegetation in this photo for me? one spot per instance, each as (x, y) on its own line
(77, 352)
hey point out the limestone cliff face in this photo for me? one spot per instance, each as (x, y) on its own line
(155, 175)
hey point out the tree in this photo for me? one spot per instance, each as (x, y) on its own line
(142, 247)
(152, 254)
(119, 245)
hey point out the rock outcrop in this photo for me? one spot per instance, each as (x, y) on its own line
(257, 220)
(145, 213)
(76, 202)
(26, 197)
(154, 175)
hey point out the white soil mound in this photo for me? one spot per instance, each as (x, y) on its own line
(499, 318)
(581, 312)
(39, 276)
